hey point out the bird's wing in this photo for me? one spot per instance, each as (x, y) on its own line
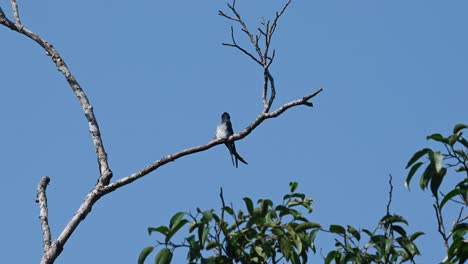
(229, 128)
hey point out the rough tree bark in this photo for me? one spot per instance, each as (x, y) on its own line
(262, 55)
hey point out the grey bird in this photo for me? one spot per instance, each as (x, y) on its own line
(224, 131)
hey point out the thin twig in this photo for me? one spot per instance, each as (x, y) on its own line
(440, 223)
(389, 194)
(44, 212)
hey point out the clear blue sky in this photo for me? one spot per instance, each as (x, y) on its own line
(159, 79)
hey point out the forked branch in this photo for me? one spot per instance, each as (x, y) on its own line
(104, 169)
(263, 56)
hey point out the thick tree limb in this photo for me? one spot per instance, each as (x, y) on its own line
(44, 212)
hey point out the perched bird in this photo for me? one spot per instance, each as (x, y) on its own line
(224, 131)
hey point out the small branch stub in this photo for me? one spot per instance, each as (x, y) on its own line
(44, 212)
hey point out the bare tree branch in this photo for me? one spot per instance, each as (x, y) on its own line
(390, 192)
(14, 6)
(264, 58)
(440, 224)
(105, 172)
(44, 212)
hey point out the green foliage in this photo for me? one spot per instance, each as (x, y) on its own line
(388, 243)
(269, 233)
(263, 233)
(454, 159)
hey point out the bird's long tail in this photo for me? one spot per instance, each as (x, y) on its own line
(232, 150)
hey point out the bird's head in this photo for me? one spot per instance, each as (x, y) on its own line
(225, 117)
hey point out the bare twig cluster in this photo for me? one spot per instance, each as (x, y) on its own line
(264, 57)
(261, 43)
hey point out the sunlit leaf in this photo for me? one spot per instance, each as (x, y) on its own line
(437, 180)
(436, 158)
(388, 245)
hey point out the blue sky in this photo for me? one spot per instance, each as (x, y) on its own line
(159, 79)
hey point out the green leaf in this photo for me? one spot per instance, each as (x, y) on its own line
(332, 255)
(306, 226)
(178, 226)
(417, 156)
(337, 229)
(161, 229)
(460, 230)
(144, 253)
(436, 158)
(285, 247)
(413, 170)
(354, 232)
(298, 243)
(277, 231)
(176, 219)
(427, 176)
(400, 230)
(464, 142)
(207, 216)
(212, 244)
(459, 127)
(453, 139)
(437, 137)
(450, 195)
(228, 210)
(193, 226)
(210, 260)
(293, 186)
(388, 245)
(391, 219)
(436, 181)
(416, 235)
(163, 257)
(249, 205)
